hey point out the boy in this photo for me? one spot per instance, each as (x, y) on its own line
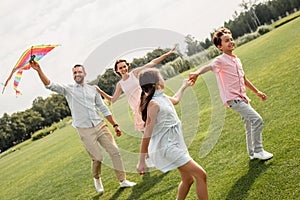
(232, 84)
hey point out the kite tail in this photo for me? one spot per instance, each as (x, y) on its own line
(6, 82)
(18, 77)
(3, 87)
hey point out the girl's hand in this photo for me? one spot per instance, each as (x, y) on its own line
(193, 78)
(141, 168)
(186, 83)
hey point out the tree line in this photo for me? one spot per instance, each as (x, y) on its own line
(253, 15)
(20, 126)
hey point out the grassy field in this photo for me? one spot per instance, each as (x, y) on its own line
(57, 166)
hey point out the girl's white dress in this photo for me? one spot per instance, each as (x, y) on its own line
(167, 150)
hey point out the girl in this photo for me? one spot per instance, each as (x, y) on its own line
(162, 143)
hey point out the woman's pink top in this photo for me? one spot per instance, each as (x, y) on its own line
(132, 90)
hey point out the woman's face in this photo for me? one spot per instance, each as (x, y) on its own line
(122, 68)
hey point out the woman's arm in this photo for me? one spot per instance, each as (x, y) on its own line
(153, 62)
(153, 109)
(115, 96)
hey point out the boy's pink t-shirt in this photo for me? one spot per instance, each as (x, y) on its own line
(230, 77)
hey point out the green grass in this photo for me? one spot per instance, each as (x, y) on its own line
(57, 166)
(286, 19)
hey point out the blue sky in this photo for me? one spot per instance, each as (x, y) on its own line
(82, 26)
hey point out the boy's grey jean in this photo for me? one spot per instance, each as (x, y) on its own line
(253, 123)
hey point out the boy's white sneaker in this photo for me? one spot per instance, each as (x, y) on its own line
(126, 183)
(263, 155)
(98, 185)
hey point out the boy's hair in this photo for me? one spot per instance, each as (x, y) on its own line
(119, 61)
(218, 34)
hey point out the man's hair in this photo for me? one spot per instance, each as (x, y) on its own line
(119, 61)
(218, 34)
(78, 65)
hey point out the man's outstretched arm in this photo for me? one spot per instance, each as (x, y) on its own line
(35, 65)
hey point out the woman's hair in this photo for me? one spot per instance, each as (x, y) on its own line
(218, 34)
(119, 61)
(148, 80)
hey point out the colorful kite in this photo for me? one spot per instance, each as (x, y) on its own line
(33, 53)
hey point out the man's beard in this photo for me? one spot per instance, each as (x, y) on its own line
(80, 81)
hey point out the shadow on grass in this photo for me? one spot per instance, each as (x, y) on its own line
(240, 190)
(147, 184)
(140, 188)
(97, 196)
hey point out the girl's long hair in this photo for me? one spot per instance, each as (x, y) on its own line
(148, 80)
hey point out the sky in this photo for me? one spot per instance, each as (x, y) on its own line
(95, 33)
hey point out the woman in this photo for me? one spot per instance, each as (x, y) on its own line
(129, 84)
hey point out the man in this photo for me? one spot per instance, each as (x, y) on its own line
(85, 102)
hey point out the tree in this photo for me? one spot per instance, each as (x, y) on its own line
(38, 106)
(18, 127)
(6, 136)
(107, 81)
(56, 108)
(33, 120)
(248, 6)
(193, 45)
(207, 43)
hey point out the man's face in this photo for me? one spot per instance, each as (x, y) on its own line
(78, 75)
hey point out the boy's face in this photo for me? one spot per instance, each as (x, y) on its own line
(227, 43)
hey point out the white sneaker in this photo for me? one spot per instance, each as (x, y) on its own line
(263, 155)
(98, 185)
(127, 183)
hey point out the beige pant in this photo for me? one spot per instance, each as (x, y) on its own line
(100, 134)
